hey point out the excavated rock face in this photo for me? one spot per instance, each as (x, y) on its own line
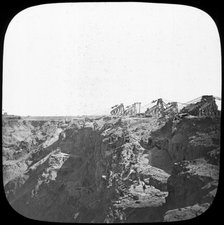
(111, 169)
(192, 188)
(67, 175)
(194, 138)
(21, 139)
(193, 146)
(191, 182)
(185, 213)
(188, 138)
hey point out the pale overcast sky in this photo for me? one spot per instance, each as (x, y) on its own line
(75, 59)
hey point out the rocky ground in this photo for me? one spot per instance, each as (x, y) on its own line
(111, 169)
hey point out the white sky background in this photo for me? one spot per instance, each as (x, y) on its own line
(75, 59)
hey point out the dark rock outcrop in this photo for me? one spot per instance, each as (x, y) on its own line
(190, 182)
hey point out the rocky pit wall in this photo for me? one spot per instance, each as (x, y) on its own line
(111, 169)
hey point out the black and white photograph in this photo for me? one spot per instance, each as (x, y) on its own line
(111, 112)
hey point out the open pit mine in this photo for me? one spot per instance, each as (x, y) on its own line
(160, 165)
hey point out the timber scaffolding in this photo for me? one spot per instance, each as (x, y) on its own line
(131, 110)
(202, 106)
(205, 106)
